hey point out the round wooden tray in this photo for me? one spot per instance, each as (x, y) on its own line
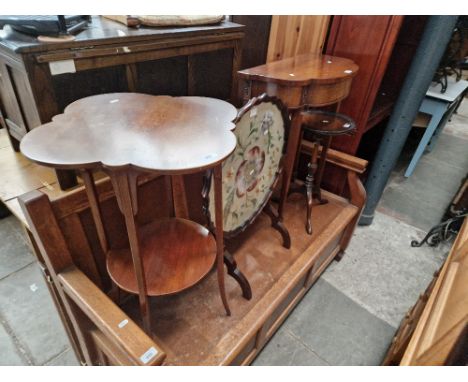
(176, 254)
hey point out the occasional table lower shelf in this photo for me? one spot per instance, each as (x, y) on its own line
(176, 254)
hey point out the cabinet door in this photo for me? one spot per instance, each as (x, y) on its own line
(13, 116)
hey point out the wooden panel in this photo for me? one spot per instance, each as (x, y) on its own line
(9, 98)
(70, 87)
(255, 43)
(167, 76)
(293, 35)
(25, 98)
(368, 41)
(445, 315)
(208, 80)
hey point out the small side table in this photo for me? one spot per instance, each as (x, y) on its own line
(127, 135)
(312, 80)
(323, 125)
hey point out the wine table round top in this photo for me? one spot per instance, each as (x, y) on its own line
(121, 130)
(327, 123)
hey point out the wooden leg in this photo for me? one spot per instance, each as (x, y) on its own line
(218, 191)
(317, 193)
(178, 197)
(309, 186)
(235, 273)
(278, 225)
(95, 207)
(291, 150)
(125, 192)
(66, 178)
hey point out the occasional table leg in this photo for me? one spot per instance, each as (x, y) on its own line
(218, 190)
(291, 150)
(125, 192)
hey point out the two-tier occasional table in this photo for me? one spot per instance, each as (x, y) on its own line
(311, 80)
(130, 134)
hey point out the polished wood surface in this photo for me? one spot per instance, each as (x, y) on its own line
(304, 69)
(327, 123)
(323, 125)
(166, 134)
(182, 331)
(292, 35)
(176, 254)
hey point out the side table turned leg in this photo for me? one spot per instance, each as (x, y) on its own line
(309, 186)
(317, 192)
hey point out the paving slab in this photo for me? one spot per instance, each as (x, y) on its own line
(67, 358)
(286, 350)
(337, 329)
(26, 305)
(14, 252)
(382, 272)
(8, 353)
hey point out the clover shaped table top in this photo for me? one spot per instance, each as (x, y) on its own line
(129, 133)
(167, 134)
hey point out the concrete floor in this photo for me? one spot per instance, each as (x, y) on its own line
(348, 317)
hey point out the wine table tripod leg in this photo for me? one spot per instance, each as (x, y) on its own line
(309, 186)
(317, 193)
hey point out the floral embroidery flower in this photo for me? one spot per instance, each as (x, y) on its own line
(267, 122)
(249, 170)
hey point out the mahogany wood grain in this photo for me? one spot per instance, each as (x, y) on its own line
(303, 69)
(176, 254)
(156, 133)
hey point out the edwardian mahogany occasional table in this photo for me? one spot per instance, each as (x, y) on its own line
(128, 135)
(305, 80)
